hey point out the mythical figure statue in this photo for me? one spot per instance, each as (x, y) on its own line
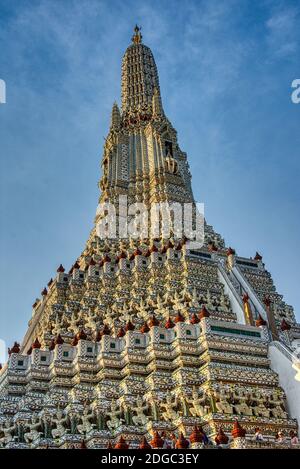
(259, 409)
(7, 431)
(114, 421)
(33, 434)
(59, 421)
(240, 402)
(169, 414)
(198, 404)
(86, 425)
(140, 418)
(222, 404)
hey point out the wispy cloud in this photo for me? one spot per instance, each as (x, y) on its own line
(283, 31)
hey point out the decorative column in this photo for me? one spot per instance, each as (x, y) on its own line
(247, 310)
(270, 317)
(285, 328)
(230, 258)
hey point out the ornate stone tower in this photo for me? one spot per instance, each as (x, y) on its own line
(145, 339)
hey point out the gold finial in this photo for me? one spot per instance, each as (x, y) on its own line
(137, 37)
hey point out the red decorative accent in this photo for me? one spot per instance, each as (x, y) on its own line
(34, 304)
(44, 292)
(15, 349)
(83, 445)
(121, 444)
(148, 253)
(59, 340)
(81, 335)
(92, 262)
(109, 445)
(153, 248)
(170, 245)
(238, 431)
(144, 444)
(52, 345)
(106, 258)
(163, 250)
(257, 257)
(221, 438)
(129, 326)
(36, 344)
(137, 252)
(182, 443)
(285, 326)
(260, 321)
(60, 268)
(153, 321)
(0, 366)
(76, 265)
(212, 247)
(105, 330)
(179, 317)
(245, 298)
(157, 441)
(29, 351)
(50, 282)
(179, 247)
(145, 328)
(204, 313)
(267, 301)
(121, 332)
(169, 324)
(194, 319)
(98, 336)
(101, 263)
(122, 255)
(230, 252)
(74, 341)
(196, 436)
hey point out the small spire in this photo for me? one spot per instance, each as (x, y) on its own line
(169, 324)
(137, 37)
(144, 444)
(238, 431)
(221, 437)
(157, 441)
(156, 103)
(204, 313)
(115, 116)
(36, 344)
(260, 321)
(121, 444)
(182, 442)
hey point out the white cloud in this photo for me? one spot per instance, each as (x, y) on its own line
(283, 31)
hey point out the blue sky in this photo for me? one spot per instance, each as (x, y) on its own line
(226, 69)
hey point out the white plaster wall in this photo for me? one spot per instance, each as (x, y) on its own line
(230, 292)
(287, 379)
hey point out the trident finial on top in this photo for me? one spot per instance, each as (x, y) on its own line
(137, 37)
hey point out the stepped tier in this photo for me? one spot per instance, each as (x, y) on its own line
(147, 341)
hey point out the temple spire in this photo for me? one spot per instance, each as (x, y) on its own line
(137, 37)
(139, 75)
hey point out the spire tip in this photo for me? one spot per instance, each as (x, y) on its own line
(137, 37)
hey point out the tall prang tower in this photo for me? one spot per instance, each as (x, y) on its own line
(146, 341)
